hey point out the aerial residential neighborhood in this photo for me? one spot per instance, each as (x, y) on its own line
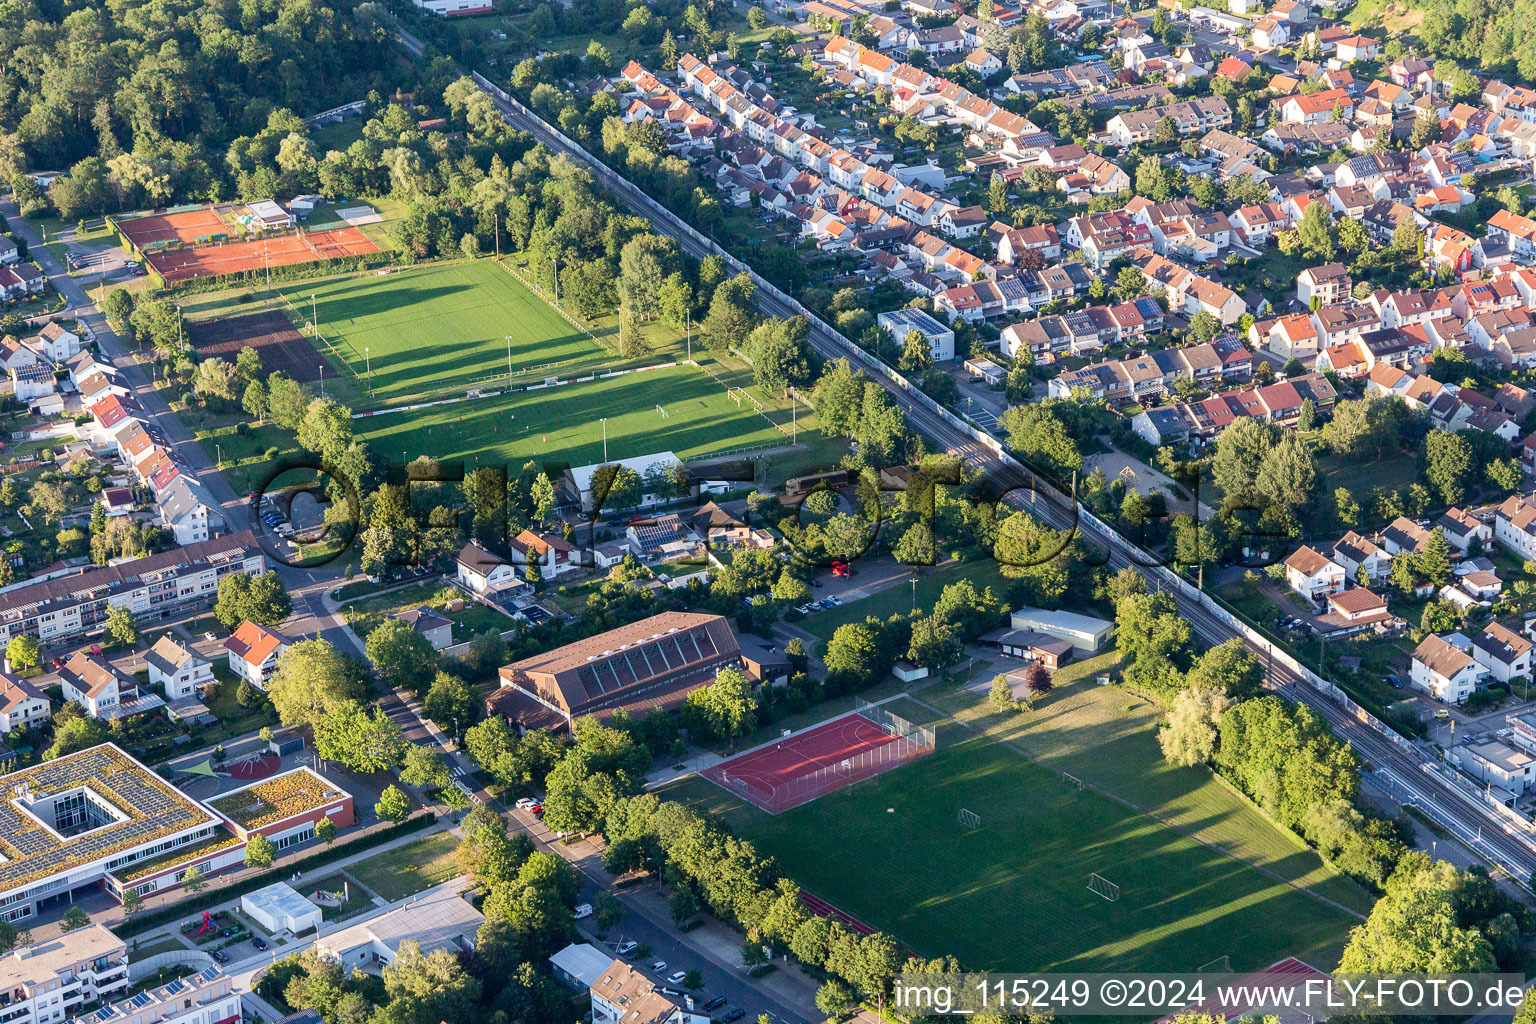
(694, 512)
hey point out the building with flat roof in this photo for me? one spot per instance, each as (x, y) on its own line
(580, 965)
(48, 981)
(655, 662)
(1087, 634)
(71, 822)
(901, 322)
(1498, 764)
(439, 918)
(207, 997)
(285, 807)
(279, 907)
(98, 820)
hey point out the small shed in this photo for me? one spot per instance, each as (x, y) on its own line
(908, 672)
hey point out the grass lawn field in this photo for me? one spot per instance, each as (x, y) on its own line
(364, 614)
(1012, 895)
(443, 326)
(409, 869)
(564, 424)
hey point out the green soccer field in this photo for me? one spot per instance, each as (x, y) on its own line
(565, 424)
(439, 327)
(1013, 895)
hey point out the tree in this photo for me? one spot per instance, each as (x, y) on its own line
(934, 643)
(23, 651)
(393, 804)
(261, 599)
(834, 998)
(1415, 928)
(731, 316)
(363, 739)
(193, 881)
(916, 353)
(1447, 464)
(133, 903)
(311, 681)
(1000, 696)
(1188, 733)
(325, 830)
(851, 656)
(74, 919)
(1037, 681)
(1434, 562)
(260, 852)
(1203, 326)
(76, 733)
(724, 708)
(683, 904)
(1315, 231)
(403, 657)
(122, 626)
(450, 703)
(425, 769)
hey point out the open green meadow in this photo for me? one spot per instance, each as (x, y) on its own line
(565, 423)
(1012, 895)
(439, 327)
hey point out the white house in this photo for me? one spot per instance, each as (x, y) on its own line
(1313, 574)
(57, 343)
(21, 704)
(104, 692)
(1461, 528)
(1352, 551)
(481, 572)
(1514, 526)
(901, 322)
(1445, 671)
(189, 511)
(253, 650)
(177, 668)
(1504, 653)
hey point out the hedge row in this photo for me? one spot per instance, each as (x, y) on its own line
(286, 272)
(149, 919)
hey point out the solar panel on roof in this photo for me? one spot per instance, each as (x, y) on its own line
(142, 999)
(209, 973)
(174, 987)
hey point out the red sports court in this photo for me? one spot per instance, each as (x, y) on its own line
(796, 770)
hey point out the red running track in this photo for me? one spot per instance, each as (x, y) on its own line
(821, 908)
(782, 775)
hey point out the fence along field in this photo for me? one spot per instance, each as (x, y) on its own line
(434, 329)
(1010, 893)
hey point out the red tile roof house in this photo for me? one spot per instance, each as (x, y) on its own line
(253, 652)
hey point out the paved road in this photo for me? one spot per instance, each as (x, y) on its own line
(1489, 832)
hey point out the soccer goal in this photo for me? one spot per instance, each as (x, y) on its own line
(663, 410)
(968, 819)
(1102, 886)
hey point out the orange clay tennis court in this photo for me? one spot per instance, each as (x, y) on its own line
(237, 257)
(187, 226)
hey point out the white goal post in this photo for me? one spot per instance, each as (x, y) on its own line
(969, 819)
(1101, 886)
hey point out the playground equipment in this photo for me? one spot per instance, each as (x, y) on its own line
(207, 922)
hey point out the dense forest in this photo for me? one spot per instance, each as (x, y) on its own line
(157, 91)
